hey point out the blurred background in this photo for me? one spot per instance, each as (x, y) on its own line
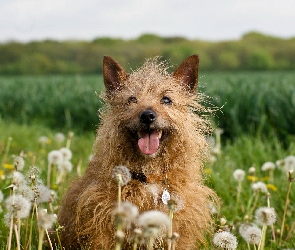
(51, 57)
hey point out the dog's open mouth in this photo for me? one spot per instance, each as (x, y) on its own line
(149, 141)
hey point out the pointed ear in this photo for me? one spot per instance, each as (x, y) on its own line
(187, 73)
(113, 75)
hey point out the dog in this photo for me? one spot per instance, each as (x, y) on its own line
(152, 123)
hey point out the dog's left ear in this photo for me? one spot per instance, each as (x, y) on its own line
(187, 73)
(113, 75)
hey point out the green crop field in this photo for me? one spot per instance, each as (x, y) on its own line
(255, 111)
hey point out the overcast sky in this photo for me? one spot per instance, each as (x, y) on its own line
(26, 20)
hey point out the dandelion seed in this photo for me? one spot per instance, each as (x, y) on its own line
(18, 206)
(176, 203)
(239, 175)
(265, 216)
(67, 154)
(55, 157)
(259, 187)
(59, 137)
(121, 174)
(268, 166)
(19, 163)
(225, 240)
(45, 220)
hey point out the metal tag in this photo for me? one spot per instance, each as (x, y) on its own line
(165, 196)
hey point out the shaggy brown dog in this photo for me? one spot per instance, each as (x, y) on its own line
(152, 124)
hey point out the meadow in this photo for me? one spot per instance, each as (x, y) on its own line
(254, 124)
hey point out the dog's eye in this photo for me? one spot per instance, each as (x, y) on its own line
(132, 99)
(166, 100)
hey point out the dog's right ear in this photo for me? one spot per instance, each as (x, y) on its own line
(113, 75)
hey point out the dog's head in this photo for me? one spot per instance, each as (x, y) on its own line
(150, 106)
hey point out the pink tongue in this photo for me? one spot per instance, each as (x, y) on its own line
(149, 143)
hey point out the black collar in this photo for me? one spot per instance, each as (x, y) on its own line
(138, 176)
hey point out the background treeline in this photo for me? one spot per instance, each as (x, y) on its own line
(254, 51)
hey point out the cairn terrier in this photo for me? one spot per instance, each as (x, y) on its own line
(153, 124)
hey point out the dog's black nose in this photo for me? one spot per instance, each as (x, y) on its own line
(148, 116)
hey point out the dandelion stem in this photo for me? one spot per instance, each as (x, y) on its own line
(41, 236)
(170, 229)
(285, 208)
(17, 237)
(254, 204)
(238, 198)
(10, 233)
(6, 152)
(48, 174)
(151, 243)
(262, 239)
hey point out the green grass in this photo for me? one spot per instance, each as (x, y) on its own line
(250, 101)
(244, 152)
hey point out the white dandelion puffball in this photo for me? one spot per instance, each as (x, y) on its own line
(45, 220)
(59, 137)
(121, 174)
(67, 154)
(153, 218)
(259, 187)
(252, 235)
(265, 216)
(225, 240)
(268, 166)
(19, 163)
(239, 175)
(55, 157)
(289, 163)
(128, 210)
(43, 140)
(42, 194)
(18, 206)
(66, 166)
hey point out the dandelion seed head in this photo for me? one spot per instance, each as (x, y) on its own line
(55, 157)
(239, 175)
(33, 175)
(19, 163)
(18, 180)
(268, 166)
(45, 220)
(66, 166)
(67, 154)
(6, 219)
(43, 140)
(18, 206)
(259, 187)
(176, 203)
(225, 240)
(153, 218)
(265, 216)
(59, 137)
(252, 235)
(121, 174)
(289, 163)
(128, 211)
(26, 192)
(251, 170)
(42, 193)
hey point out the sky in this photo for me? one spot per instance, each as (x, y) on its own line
(212, 20)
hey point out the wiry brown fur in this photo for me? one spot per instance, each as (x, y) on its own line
(87, 207)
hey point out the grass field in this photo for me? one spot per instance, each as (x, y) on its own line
(257, 116)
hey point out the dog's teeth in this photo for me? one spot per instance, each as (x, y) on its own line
(160, 134)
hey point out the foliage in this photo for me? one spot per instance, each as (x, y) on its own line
(253, 51)
(247, 101)
(246, 151)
